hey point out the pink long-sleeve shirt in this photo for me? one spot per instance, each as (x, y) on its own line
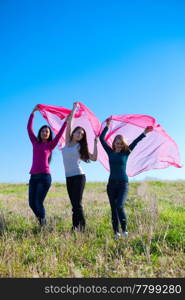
(42, 150)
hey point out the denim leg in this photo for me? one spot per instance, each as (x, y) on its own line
(80, 212)
(70, 189)
(43, 186)
(120, 204)
(111, 191)
(75, 188)
(32, 195)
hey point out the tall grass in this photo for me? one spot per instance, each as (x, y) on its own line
(154, 248)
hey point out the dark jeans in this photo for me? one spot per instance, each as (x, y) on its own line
(75, 188)
(39, 185)
(117, 192)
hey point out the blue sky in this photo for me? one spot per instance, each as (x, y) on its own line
(116, 57)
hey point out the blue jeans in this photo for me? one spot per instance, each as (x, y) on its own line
(39, 185)
(117, 192)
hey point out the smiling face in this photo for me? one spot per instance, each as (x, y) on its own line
(45, 134)
(77, 134)
(119, 144)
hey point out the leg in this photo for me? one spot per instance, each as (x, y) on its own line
(43, 186)
(112, 199)
(79, 191)
(69, 185)
(120, 203)
(32, 194)
(75, 188)
(70, 181)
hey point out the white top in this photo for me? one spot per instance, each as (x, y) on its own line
(71, 159)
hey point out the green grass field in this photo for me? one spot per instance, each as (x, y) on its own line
(154, 248)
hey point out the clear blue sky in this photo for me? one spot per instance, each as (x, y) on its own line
(116, 57)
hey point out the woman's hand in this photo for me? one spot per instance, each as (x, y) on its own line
(35, 108)
(68, 118)
(108, 122)
(148, 129)
(75, 104)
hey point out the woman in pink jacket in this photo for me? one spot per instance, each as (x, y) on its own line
(40, 180)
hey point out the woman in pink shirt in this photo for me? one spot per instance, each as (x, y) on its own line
(40, 180)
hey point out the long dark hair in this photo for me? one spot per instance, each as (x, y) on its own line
(84, 152)
(49, 138)
(125, 147)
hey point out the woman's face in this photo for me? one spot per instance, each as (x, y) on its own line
(118, 144)
(45, 133)
(78, 135)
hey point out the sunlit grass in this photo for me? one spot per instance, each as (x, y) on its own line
(154, 248)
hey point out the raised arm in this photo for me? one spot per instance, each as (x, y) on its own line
(69, 120)
(140, 137)
(30, 126)
(56, 139)
(107, 148)
(95, 152)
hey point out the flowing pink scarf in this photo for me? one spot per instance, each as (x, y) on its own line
(156, 151)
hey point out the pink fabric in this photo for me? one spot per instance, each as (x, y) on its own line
(41, 151)
(156, 151)
(55, 116)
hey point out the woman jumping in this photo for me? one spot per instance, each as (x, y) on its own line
(76, 149)
(40, 180)
(117, 187)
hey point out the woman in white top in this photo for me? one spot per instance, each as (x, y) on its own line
(76, 149)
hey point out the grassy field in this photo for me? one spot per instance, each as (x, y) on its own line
(154, 248)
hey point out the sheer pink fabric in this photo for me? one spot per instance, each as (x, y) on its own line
(55, 116)
(156, 151)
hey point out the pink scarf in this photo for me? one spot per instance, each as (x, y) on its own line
(156, 151)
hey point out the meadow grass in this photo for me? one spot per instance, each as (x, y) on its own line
(154, 248)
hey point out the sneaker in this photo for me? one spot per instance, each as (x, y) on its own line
(117, 235)
(124, 234)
